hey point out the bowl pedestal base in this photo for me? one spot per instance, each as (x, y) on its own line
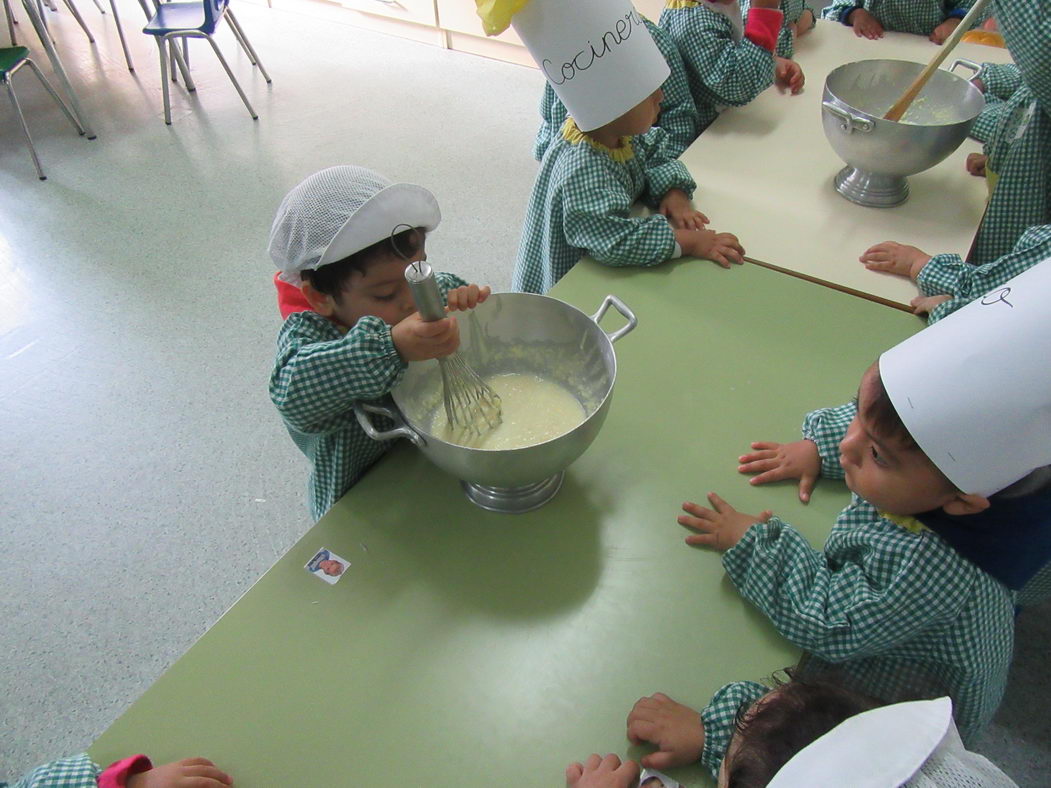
(513, 500)
(871, 189)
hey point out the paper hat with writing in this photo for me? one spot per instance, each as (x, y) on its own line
(597, 54)
(912, 744)
(974, 389)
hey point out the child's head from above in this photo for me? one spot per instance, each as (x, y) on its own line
(368, 282)
(780, 724)
(884, 465)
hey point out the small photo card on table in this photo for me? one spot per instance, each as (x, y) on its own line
(327, 565)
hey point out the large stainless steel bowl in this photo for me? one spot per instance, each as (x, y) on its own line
(521, 333)
(880, 153)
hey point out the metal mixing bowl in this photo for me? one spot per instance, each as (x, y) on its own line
(514, 333)
(880, 153)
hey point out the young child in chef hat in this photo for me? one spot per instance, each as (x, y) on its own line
(732, 56)
(341, 241)
(679, 116)
(935, 19)
(604, 66)
(946, 451)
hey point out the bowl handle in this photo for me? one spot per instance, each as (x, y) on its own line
(848, 121)
(961, 61)
(625, 311)
(401, 429)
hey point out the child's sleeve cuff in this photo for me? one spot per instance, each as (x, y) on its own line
(116, 774)
(763, 26)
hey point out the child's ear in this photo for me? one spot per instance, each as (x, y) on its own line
(966, 503)
(320, 302)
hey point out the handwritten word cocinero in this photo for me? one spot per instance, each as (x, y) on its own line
(585, 58)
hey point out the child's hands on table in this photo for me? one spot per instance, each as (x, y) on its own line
(788, 75)
(865, 24)
(680, 212)
(676, 730)
(417, 340)
(895, 258)
(599, 772)
(976, 164)
(721, 248)
(774, 462)
(464, 298)
(187, 773)
(944, 30)
(721, 527)
(924, 305)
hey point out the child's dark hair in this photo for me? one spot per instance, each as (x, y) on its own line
(886, 422)
(782, 723)
(332, 278)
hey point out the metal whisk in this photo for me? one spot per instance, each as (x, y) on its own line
(471, 406)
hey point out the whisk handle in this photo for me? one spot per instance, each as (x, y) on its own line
(425, 292)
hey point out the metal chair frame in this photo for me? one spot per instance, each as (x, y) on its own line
(18, 109)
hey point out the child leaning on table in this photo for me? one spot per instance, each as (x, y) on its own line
(949, 526)
(730, 59)
(608, 154)
(137, 771)
(935, 19)
(342, 240)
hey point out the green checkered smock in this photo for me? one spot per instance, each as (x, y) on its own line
(905, 16)
(1001, 80)
(792, 10)
(722, 72)
(581, 204)
(679, 116)
(319, 373)
(948, 274)
(1022, 142)
(718, 719)
(78, 771)
(896, 610)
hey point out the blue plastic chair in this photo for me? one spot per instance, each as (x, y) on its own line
(198, 20)
(12, 59)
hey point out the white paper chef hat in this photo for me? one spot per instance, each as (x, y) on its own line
(974, 389)
(342, 210)
(597, 54)
(912, 744)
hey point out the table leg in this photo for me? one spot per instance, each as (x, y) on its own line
(56, 64)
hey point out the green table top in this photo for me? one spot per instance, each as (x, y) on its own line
(464, 647)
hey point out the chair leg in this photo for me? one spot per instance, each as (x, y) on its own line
(98, 5)
(10, 22)
(233, 79)
(184, 67)
(80, 20)
(239, 37)
(120, 32)
(25, 129)
(247, 44)
(58, 99)
(164, 80)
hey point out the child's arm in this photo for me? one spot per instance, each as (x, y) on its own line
(679, 117)
(552, 115)
(999, 79)
(719, 717)
(826, 428)
(78, 771)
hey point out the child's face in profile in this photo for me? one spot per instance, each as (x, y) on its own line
(331, 567)
(380, 290)
(640, 118)
(893, 477)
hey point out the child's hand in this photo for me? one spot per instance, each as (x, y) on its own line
(788, 75)
(720, 528)
(464, 298)
(721, 248)
(924, 305)
(944, 30)
(681, 214)
(777, 461)
(187, 773)
(677, 731)
(865, 24)
(606, 772)
(976, 164)
(417, 340)
(895, 258)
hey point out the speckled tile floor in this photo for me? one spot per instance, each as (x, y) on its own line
(145, 480)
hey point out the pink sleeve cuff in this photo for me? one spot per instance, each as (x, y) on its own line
(116, 774)
(763, 27)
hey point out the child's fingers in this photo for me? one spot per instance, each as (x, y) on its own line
(806, 487)
(773, 475)
(659, 760)
(718, 259)
(696, 510)
(765, 445)
(766, 452)
(593, 761)
(484, 293)
(574, 772)
(719, 504)
(706, 540)
(758, 466)
(641, 730)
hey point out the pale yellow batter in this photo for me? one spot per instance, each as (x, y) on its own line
(534, 410)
